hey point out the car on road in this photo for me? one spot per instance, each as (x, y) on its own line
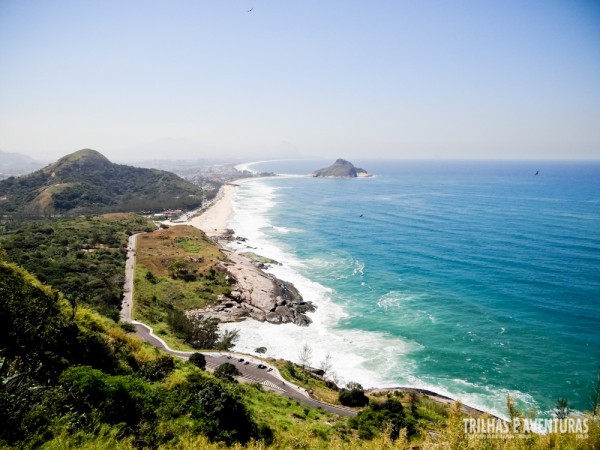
(241, 360)
(269, 369)
(246, 363)
(262, 366)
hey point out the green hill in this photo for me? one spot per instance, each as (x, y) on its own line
(66, 378)
(87, 182)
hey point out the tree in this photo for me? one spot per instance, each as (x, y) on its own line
(227, 371)
(204, 332)
(305, 355)
(221, 415)
(353, 395)
(201, 333)
(562, 409)
(180, 324)
(377, 417)
(198, 359)
(228, 339)
(158, 369)
(413, 401)
(327, 363)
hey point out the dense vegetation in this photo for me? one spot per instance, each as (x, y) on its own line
(65, 374)
(83, 257)
(86, 182)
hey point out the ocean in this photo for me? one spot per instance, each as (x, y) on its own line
(476, 280)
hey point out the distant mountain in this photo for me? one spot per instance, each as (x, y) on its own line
(340, 169)
(17, 164)
(87, 182)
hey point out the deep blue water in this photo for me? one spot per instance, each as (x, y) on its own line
(475, 279)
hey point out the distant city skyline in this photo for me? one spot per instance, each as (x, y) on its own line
(190, 79)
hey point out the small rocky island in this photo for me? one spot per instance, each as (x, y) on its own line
(340, 169)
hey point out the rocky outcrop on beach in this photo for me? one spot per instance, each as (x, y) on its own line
(258, 295)
(340, 169)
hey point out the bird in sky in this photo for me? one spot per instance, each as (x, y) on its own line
(250, 10)
(538, 172)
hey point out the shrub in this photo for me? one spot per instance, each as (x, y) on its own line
(127, 327)
(198, 360)
(227, 371)
(388, 416)
(158, 369)
(151, 278)
(353, 395)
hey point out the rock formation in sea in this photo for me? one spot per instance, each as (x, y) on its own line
(340, 169)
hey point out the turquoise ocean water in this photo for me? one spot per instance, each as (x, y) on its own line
(473, 279)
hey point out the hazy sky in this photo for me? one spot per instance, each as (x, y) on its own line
(199, 78)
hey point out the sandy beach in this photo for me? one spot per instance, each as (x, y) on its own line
(256, 294)
(213, 218)
(213, 221)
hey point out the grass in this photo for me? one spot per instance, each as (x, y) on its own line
(191, 245)
(290, 419)
(157, 250)
(45, 200)
(297, 375)
(178, 268)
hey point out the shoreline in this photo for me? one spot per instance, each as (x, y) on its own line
(256, 294)
(214, 222)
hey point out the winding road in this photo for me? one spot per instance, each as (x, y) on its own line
(269, 377)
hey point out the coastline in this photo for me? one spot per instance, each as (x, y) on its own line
(214, 221)
(256, 294)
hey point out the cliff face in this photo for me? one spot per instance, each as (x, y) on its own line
(340, 169)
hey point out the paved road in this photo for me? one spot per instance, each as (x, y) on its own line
(127, 303)
(248, 366)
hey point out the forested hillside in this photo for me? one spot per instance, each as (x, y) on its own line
(83, 257)
(87, 182)
(73, 378)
